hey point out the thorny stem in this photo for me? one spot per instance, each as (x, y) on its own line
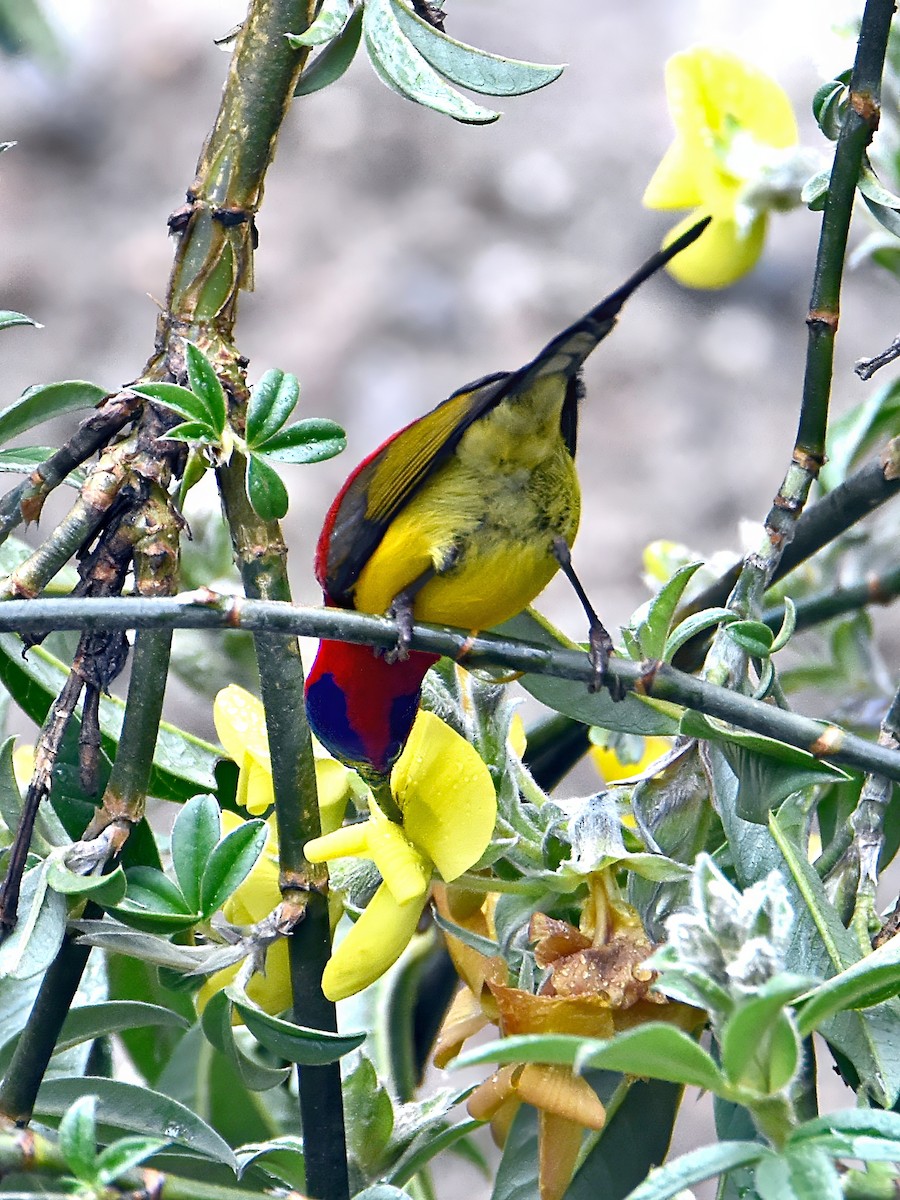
(206, 610)
(726, 662)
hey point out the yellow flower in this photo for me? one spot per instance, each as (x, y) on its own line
(240, 722)
(249, 904)
(241, 725)
(446, 797)
(627, 757)
(733, 124)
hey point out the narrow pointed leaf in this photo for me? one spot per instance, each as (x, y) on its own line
(334, 60)
(32, 946)
(294, 1043)
(205, 384)
(490, 74)
(804, 1173)
(105, 889)
(330, 20)
(400, 65)
(691, 626)
(690, 1169)
(25, 459)
(870, 981)
(219, 1032)
(8, 319)
(177, 399)
(272, 400)
(124, 1155)
(192, 431)
(136, 1109)
(45, 401)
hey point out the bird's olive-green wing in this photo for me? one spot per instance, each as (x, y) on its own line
(388, 479)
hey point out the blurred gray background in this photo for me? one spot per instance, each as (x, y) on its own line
(402, 254)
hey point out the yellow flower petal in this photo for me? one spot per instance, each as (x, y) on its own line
(721, 256)
(333, 787)
(613, 768)
(271, 991)
(23, 765)
(715, 90)
(256, 792)
(446, 795)
(240, 722)
(405, 871)
(372, 945)
(346, 842)
(674, 183)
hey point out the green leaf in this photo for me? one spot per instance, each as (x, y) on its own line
(8, 319)
(370, 1119)
(154, 890)
(652, 630)
(280, 1158)
(655, 1050)
(382, 1191)
(850, 1123)
(124, 1155)
(192, 431)
(78, 1138)
(330, 20)
(136, 1109)
(858, 431)
(872, 980)
(48, 831)
(873, 189)
(105, 889)
(219, 1032)
(230, 863)
(32, 946)
(804, 1173)
(267, 493)
(635, 1138)
(294, 1043)
(830, 104)
(884, 215)
(91, 1021)
(45, 401)
(334, 60)
(272, 400)
(753, 637)
(690, 1169)
(490, 74)
(182, 764)
(205, 383)
(691, 626)
(177, 399)
(196, 831)
(760, 1048)
(23, 460)
(400, 65)
(573, 698)
(312, 440)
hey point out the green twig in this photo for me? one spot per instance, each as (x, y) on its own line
(727, 663)
(37, 1041)
(206, 610)
(813, 610)
(262, 561)
(35, 1154)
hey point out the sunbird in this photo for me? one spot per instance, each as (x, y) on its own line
(460, 518)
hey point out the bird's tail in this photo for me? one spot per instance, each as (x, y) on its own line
(565, 354)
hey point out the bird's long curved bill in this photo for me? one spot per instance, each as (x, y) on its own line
(568, 350)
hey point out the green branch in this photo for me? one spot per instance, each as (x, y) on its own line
(206, 610)
(28, 1152)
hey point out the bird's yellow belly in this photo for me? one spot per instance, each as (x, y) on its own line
(486, 526)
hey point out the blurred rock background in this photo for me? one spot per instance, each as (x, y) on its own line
(402, 254)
